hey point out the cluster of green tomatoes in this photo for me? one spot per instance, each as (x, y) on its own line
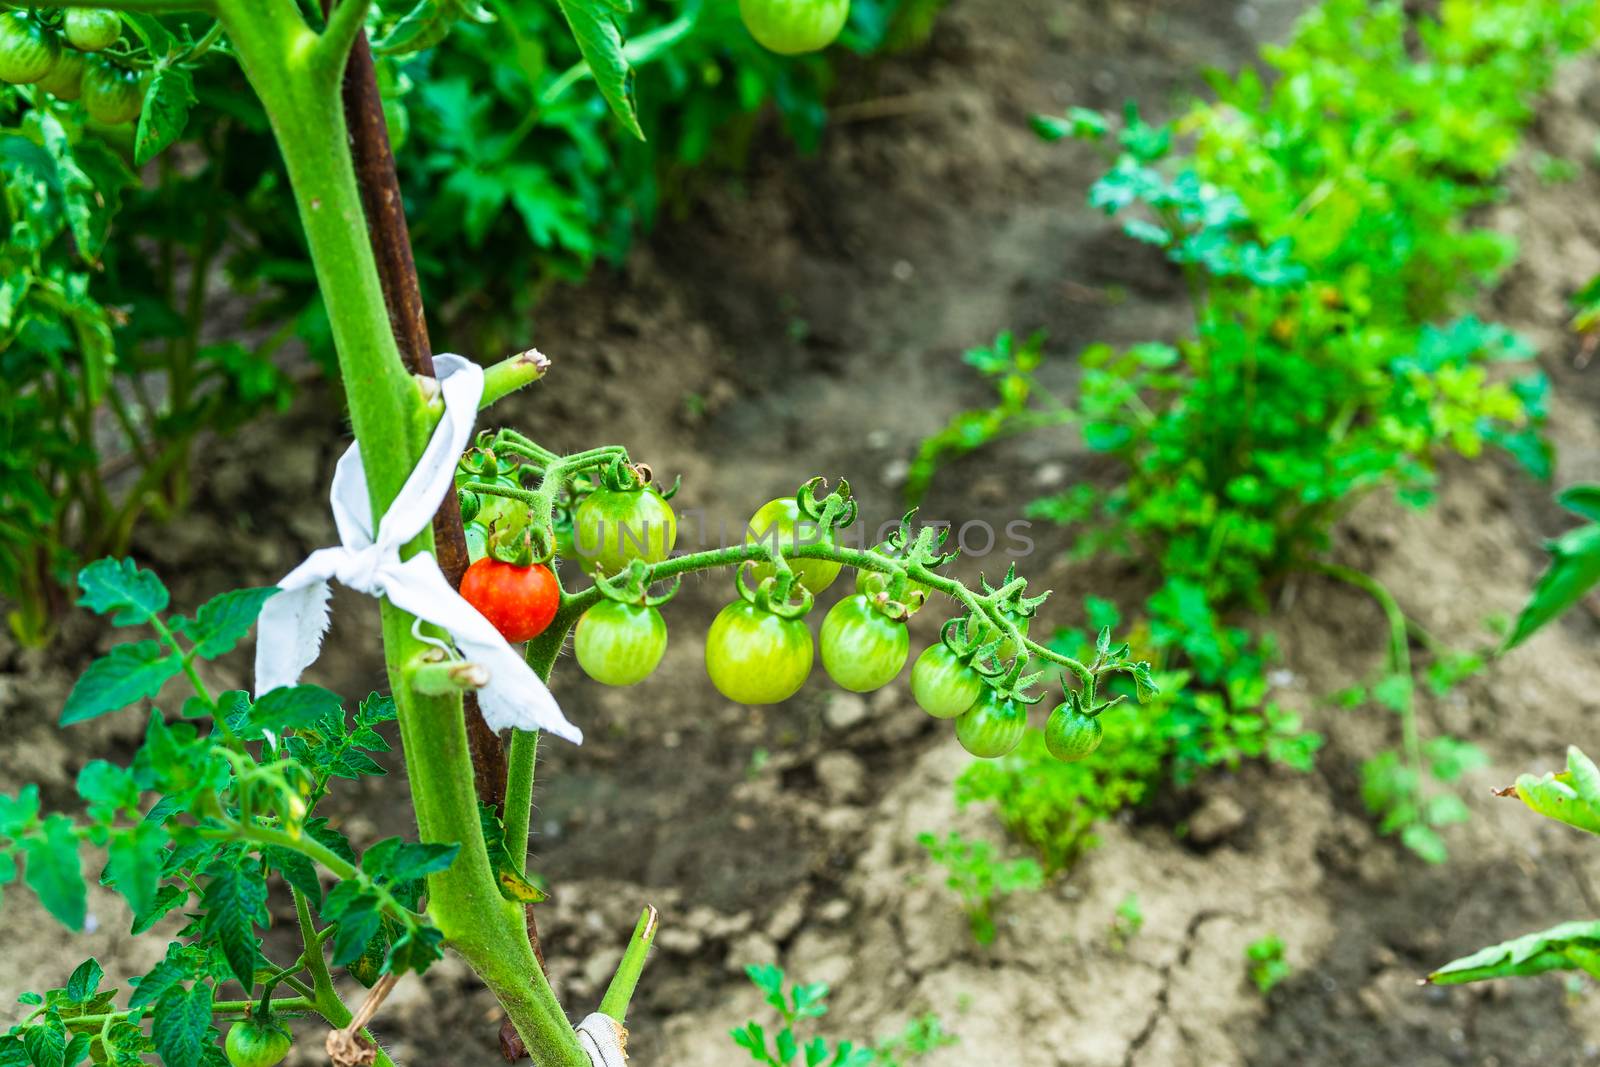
(66, 55)
(621, 529)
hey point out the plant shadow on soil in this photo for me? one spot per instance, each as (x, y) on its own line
(810, 320)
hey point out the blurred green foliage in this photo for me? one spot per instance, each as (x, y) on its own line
(1321, 219)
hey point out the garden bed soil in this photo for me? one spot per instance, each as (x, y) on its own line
(809, 319)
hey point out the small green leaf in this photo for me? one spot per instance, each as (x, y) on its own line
(1553, 797)
(1556, 949)
(294, 707)
(507, 872)
(182, 1026)
(126, 674)
(119, 586)
(1574, 570)
(594, 27)
(297, 869)
(54, 874)
(134, 865)
(84, 981)
(356, 912)
(176, 968)
(108, 789)
(223, 620)
(166, 112)
(20, 812)
(397, 860)
(416, 949)
(235, 898)
(1425, 842)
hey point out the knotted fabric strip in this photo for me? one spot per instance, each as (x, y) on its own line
(292, 622)
(605, 1040)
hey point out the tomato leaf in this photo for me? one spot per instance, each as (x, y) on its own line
(53, 872)
(395, 859)
(165, 114)
(594, 27)
(182, 1026)
(508, 875)
(84, 981)
(134, 866)
(223, 620)
(1574, 567)
(294, 707)
(126, 674)
(1569, 946)
(236, 901)
(121, 587)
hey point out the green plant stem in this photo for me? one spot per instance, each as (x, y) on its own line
(296, 74)
(1399, 655)
(286, 1005)
(620, 992)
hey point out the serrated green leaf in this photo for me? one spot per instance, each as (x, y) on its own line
(235, 898)
(416, 949)
(294, 707)
(120, 588)
(223, 620)
(297, 869)
(126, 674)
(594, 27)
(1554, 949)
(19, 812)
(177, 967)
(182, 1026)
(419, 29)
(397, 860)
(53, 872)
(136, 857)
(108, 789)
(1585, 777)
(46, 1043)
(166, 112)
(84, 981)
(13, 1053)
(356, 912)
(508, 873)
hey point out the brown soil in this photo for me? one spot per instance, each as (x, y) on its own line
(810, 320)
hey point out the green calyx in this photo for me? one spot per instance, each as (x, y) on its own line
(779, 594)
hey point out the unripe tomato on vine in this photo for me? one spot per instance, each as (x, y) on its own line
(790, 27)
(27, 50)
(863, 648)
(1070, 735)
(993, 726)
(759, 651)
(943, 684)
(65, 79)
(520, 601)
(624, 519)
(780, 523)
(111, 94)
(620, 644)
(254, 1042)
(92, 29)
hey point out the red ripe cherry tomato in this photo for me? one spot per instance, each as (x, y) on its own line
(520, 601)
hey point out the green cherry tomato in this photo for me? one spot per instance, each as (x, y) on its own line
(1071, 735)
(519, 601)
(790, 27)
(501, 512)
(943, 686)
(992, 727)
(755, 656)
(27, 49)
(862, 648)
(779, 523)
(253, 1042)
(65, 79)
(612, 527)
(620, 644)
(90, 29)
(111, 94)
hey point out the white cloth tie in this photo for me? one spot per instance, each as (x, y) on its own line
(601, 1037)
(292, 622)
